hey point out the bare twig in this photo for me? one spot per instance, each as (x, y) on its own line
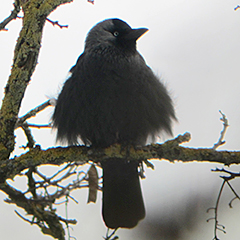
(235, 193)
(69, 165)
(40, 204)
(236, 8)
(215, 218)
(30, 125)
(25, 219)
(91, 1)
(61, 190)
(223, 132)
(21, 122)
(66, 211)
(226, 179)
(232, 174)
(32, 113)
(57, 23)
(12, 16)
(149, 164)
(53, 23)
(66, 221)
(27, 131)
(108, 237)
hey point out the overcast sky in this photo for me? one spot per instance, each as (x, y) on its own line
(194, 46)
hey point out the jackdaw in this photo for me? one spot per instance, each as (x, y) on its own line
(112, 96)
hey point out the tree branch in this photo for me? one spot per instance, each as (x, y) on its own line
(12, 16)
(56, 23)
(24, 63)
(223, 132)
(169, 150)
(33, 113)
(236, 8)
(39, 205)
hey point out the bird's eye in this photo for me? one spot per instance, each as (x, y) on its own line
(116, 33)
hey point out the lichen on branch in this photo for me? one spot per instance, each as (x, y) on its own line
(24, 62)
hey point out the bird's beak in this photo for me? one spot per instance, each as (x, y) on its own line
(136, 33)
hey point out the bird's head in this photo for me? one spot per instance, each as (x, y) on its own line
(115, 33)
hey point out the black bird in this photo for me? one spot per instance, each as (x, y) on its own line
(112, 96)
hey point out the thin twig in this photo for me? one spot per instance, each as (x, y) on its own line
(70, 166)
(108, 237)
(73, 199)
(21, 122)
(236, 8)
(57, 23)
(91, 1)
(149, 164)
(234, 192)
(232, 174)
(12, 16)
(25, 219)
(68, 221)
(32, 113)
(30, 125)
(27, 131)
(49, 182)
(53, 23)
(226, 179)
(66, 212)
(216, 213)
(215, 218)
(223, 132)
(230, 203)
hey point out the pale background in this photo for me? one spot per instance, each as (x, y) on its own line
(195, 47)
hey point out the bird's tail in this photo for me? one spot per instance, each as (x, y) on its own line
(122, 197)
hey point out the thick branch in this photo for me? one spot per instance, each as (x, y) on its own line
(24, 63)
(170, 150)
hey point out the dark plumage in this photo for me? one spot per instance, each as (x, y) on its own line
(112, 96)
